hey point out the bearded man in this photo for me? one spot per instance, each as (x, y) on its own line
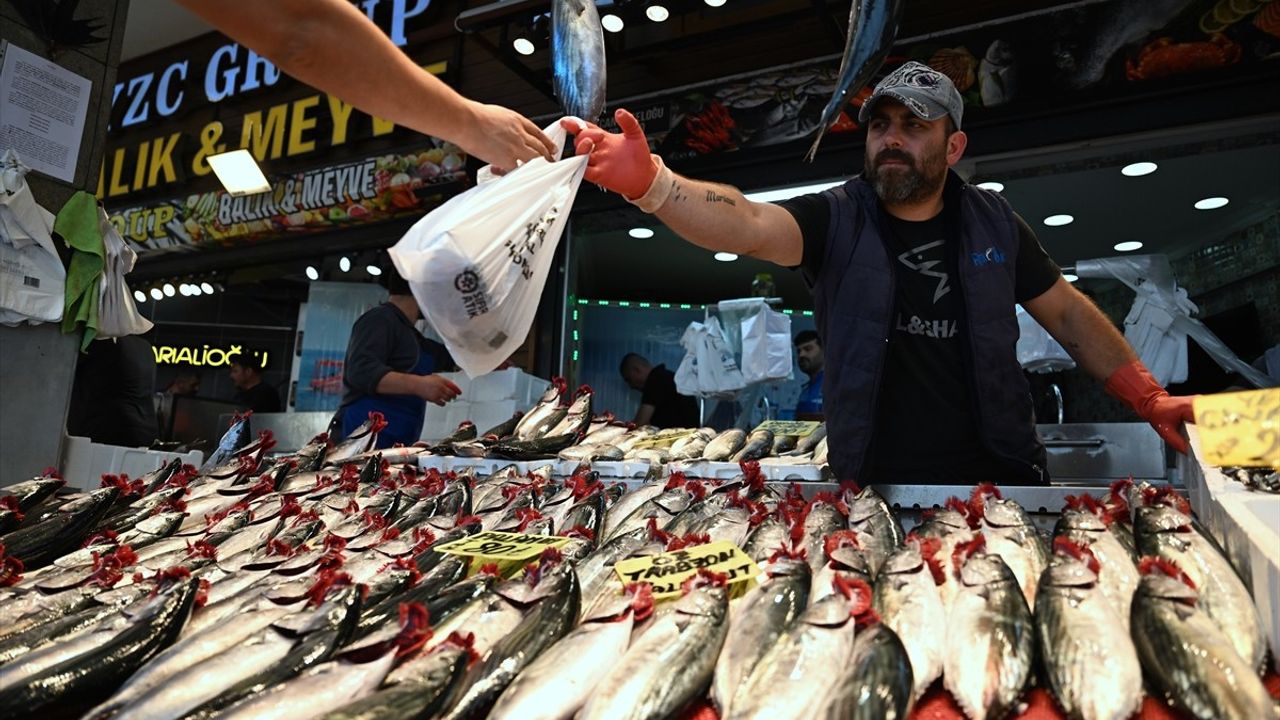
(915, 275)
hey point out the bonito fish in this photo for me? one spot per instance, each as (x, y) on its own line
(577, 58)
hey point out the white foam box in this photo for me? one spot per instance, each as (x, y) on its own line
(456, 413)
(84, 462)
(491, 414)
(1247, 524)
(435, 423)
(497, 385)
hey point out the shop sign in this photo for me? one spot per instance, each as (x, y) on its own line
(205, 355)
(798, 428)
(1241, 428)
(667, 571)
(367, 190)
(509, 551)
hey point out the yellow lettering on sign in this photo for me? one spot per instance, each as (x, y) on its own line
(666, 572)
(140, 168)
(117, 166)
(299, 123)
(382, 127)
(209, 145)
(265, 139)
(162, 160)
(163, 215)
(102, 178)
(341, 113)
(1241, 428)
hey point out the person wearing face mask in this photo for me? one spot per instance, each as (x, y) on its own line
(915, 275)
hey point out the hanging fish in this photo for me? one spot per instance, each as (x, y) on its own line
(577, 57)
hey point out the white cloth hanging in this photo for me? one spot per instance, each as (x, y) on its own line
(32, 278)
(117, 314)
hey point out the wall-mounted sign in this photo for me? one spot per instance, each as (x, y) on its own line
(45, 106)
(206, 356)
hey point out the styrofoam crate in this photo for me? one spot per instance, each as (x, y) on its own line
(491, 414)
(435, 424)
(456, 413)
(497, 385)
(84, 462)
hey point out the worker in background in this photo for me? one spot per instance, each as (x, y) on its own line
(810, 359)
(660, 404)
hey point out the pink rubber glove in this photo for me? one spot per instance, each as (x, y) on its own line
(622, 162)
(1135, 386)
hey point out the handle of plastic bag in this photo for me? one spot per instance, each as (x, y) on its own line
(556, 134)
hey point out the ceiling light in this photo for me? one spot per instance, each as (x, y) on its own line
(612, 23)
(726, 256)
(656, 13)
(781, 194)
(1070, 277)
(992, 185)
(139, 296)
(523, 45)
(373, 270)
(196, 290)
(1058, 220)
(345, 264)
(714, 3)
(640, 233)
(183, 290)
(239, 172)
(156, 294)
(1211, 203)
(1138, 169)
(168, 290)
(207, 288)
(1128, 246)
(312, 273)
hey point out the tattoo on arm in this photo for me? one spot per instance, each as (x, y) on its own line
(677, 195)
(714, 197)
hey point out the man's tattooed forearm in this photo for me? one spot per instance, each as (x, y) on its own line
(714, 197)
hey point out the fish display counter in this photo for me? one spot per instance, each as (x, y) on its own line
(342, 581)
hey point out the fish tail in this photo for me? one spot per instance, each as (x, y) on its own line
(817, 140)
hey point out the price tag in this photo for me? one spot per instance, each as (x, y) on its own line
(1241, 428)
(665, 438)
(667, 571)
(798, 428)
(509, 551)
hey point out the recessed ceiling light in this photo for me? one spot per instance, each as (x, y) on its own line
(156, 294)
(1070, 277)
(312, 273)
(640, 233)
(345, 264)
(1211, 203)
(184, 290)
(1138, 169)
(1058, 220)
(714, 3)
(169, 290)
(207, 288)
(239, 172)
(612, 23)
(726, 256)
(992, 185)
(1128, 246)
(656, 13)
(139, 296)
(373, 269)
(523, 45)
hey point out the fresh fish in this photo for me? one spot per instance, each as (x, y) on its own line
(641, 686)
(43, 542)
(577, 58)
(1117, 572)
(607, 435)
(873, 24)
(877, 684)
(503, 429)
(797, 676)
(756, 621)
(318, 691)
(552, 596)
(990, 636)
(436, 675)
(998, 74)
(578, 416)
(949, 527)
(89, 665)
(465, 431)
(806, 444)
(1010, 534)
(595, 572)
(725, 445)
(66, 627)
(235, 438)
(636, 436)
(1186, 654)
(628, 504)
(756, 446)
(653, 456)
(1167, 533)
(543, 416)
(908, 601)
(820, 453)
(541, 447)
(843, 558)
(1092, 668)
(311, 457)
(822, 519)
(692, 446)
(361, 440)
(770, 536)
(783, 444)
(879, 532)
(589, 452)
(557, 684)
(30, 493)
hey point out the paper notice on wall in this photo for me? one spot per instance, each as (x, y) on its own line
(42, 111)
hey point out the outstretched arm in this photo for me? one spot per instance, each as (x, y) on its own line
(332, 46)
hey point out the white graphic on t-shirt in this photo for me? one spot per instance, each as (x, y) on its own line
(925, 267)
(941, 329)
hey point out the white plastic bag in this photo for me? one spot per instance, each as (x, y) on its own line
(1037, 351)
(766, 346)
(477, 264)
(117, 314)
(687, 374)
(32, 278)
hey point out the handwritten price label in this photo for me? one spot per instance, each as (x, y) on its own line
(799, 428)
(667, 571)
(1240, 428)
(509, 551)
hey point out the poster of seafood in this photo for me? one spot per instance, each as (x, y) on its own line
(332, 308)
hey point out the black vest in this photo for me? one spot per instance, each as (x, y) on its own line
(854, 300)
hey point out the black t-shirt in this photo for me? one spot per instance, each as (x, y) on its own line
(261, 398)
(925, 428)
(670, 408)
(383, 340)
(111, 399)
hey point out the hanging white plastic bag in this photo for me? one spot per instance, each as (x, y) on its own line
(766, 346)
(718, 373)
(117, 314)
(32, 278)
(1037, 351)
(687, 382)
(477, 264)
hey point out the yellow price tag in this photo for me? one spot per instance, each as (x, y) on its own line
(799, 428)
(665, 438)
(509, 551)
(1241, 428)
(667, 571)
